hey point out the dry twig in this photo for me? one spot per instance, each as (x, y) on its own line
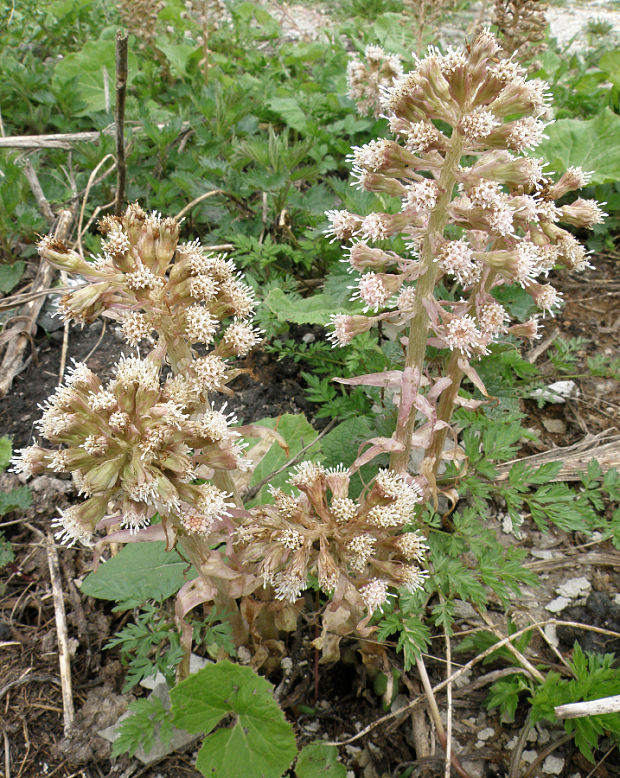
(64, 660)
(119, 116)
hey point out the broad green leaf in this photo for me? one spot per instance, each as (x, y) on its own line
(6, 450)
(310, 310)
(342, 443)
(298, 433)
(139, 572)
(610, 63)
(87, 66)
(10, 275)
(17, 499)
(317, 760)
(178, 54)
(259, 744)
(290, 110)
(593, 145)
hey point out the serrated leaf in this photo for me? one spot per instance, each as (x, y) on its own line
(10, 275)
(259, 744)
(6, 449)
(317, 760)
(139, 572)
(297, 432)
(593, 145)
(309, 310)
(17, 499)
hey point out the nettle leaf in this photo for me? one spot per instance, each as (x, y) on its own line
(10, 275)
(259, 744)
(593, 144)
(309, 310)
(317, 759)
(139, 572)
(86, 67)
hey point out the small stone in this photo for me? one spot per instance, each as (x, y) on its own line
(308, 338)
(511, 743)
(551, 633)
(555, 426)
(557, 605)
(529, 756)
(574, 587)
(464, 610)
(532, 736)
(557, 392)
(553, 765)
(486, 733)
(243, 655)
(543, 735)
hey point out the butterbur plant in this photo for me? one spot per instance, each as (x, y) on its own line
(157, 456)
(366, 79)
(475, 210)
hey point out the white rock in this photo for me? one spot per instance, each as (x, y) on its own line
(529, 756)
(557, 605)
(511, 743)
(532, 736)
(574, 587)
(486, 733)
(243, 655)
(551, 633)
(308, 337)
(553, 765)
(557, 392)
(543, 735)
(555, 426)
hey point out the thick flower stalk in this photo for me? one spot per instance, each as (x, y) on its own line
(473, 209)
(355, 549)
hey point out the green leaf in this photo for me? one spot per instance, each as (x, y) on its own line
(593, 145)
(178, 54)
(259, 744)
(297, 432)
(139, 572)
(6, 552)
(6, 449)
(309, 310)
(290, 110)
(16, 499)
(317, 760)
(610, 63)
(10, 275)
(86, 67)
